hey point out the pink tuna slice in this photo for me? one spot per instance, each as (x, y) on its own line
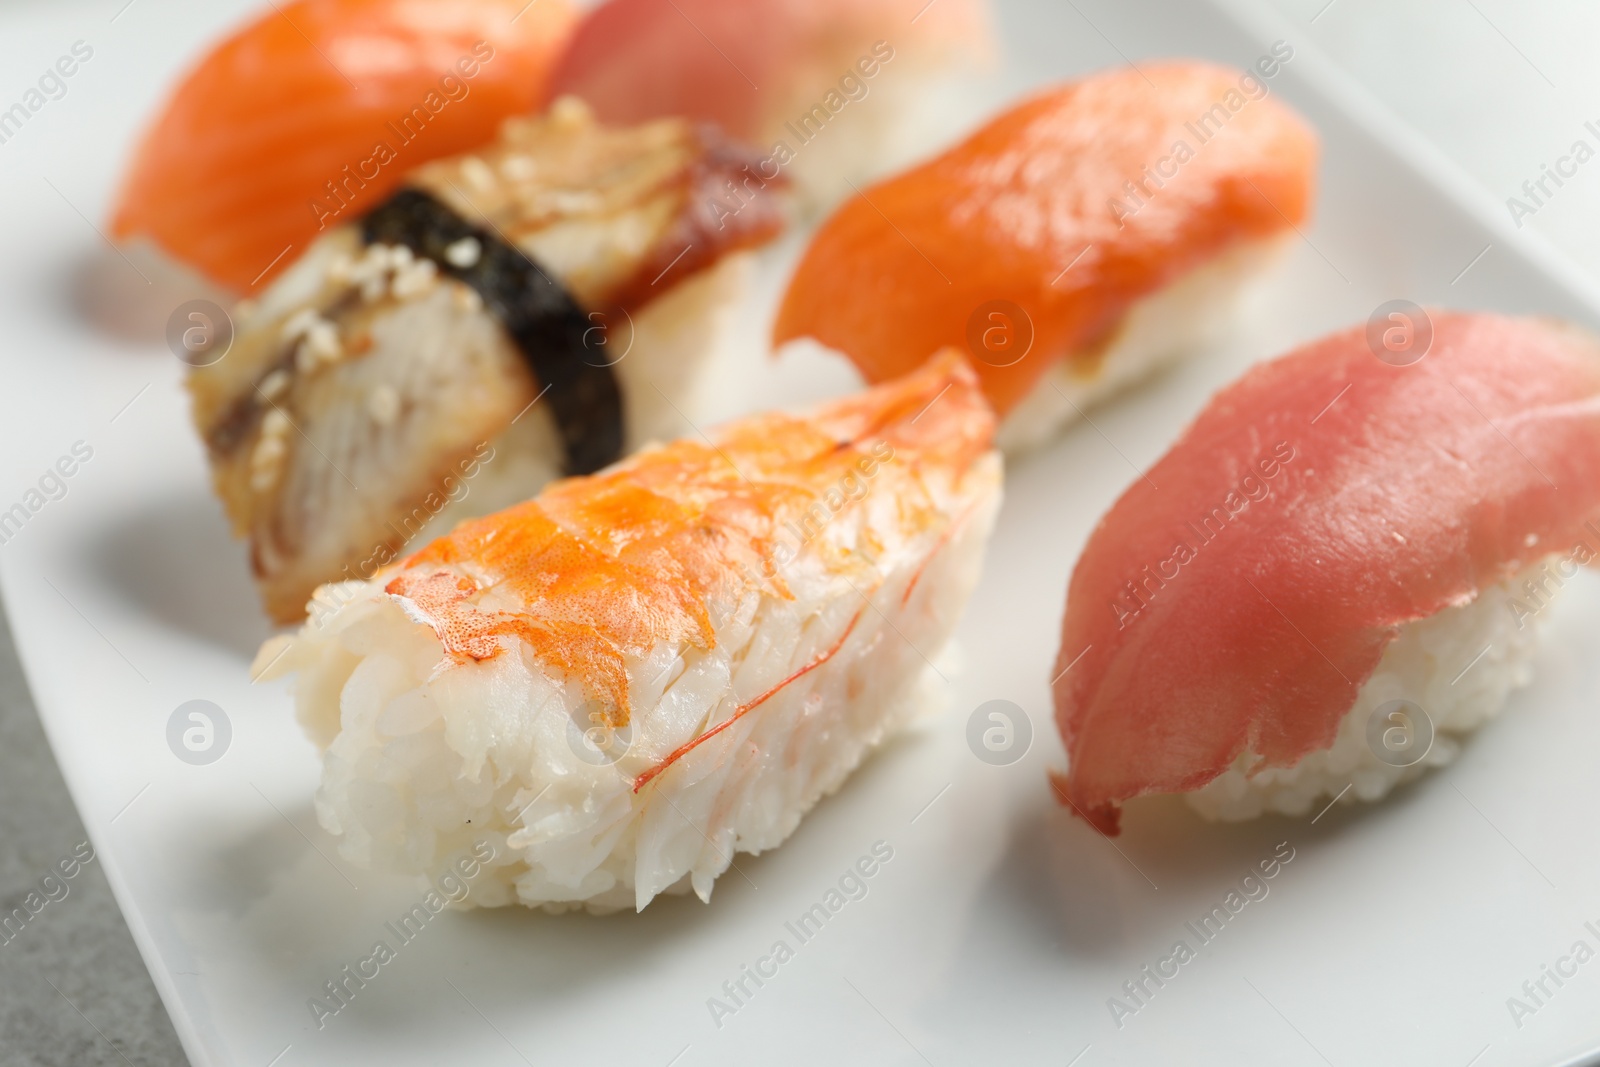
(748, 64)
(1237, 599)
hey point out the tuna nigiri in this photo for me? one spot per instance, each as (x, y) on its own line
(1341, 561)
(316, 111)
(834, 89)
(623, 682)
(533, 309)
(1071, 245)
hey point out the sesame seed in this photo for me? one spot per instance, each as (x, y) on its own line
(571, 201)
(383, 404)
(570, 113)
(477, 173)
(274, 384)
(467, 299)
(275, 424)
(340, 268)
(322, 341)
(266, 463)
(299, 323)
(518, 168)
(268, 451)
(415, 279)
(464, 253)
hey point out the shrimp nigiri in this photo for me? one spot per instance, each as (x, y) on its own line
(618, 685)
(1337, 570)
(1072, 245)
(836, 89)
(316, 111)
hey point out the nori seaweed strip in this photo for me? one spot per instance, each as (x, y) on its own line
(540, 316)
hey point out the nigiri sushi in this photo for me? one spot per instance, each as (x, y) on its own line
(1336, 572)
(835, 90)
(1072, 245)
(533, 309)
(622, 683)
(315, 112)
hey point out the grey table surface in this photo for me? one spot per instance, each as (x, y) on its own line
(73, 989)
(1502, 87)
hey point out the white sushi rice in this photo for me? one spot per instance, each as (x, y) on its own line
(911, 110)
(1179, 320)
(661, 355)
(422, 761)
(675, 337)
(1432, 664)
(832, 127)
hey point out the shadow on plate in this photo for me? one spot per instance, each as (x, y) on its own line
(1075, 892)
(276, 890)
(175, 559)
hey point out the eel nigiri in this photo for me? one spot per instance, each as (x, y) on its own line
(534, 309)
(1338, 562)
(836, 89)
(626, 680)
(1071, 245)
(316, 111)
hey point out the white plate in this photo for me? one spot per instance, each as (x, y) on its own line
(1001, 926)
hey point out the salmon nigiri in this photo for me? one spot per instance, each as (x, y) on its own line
(1071, 245)
(316, 111)
(1338, 568)
(616, 686)
(832, 88)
